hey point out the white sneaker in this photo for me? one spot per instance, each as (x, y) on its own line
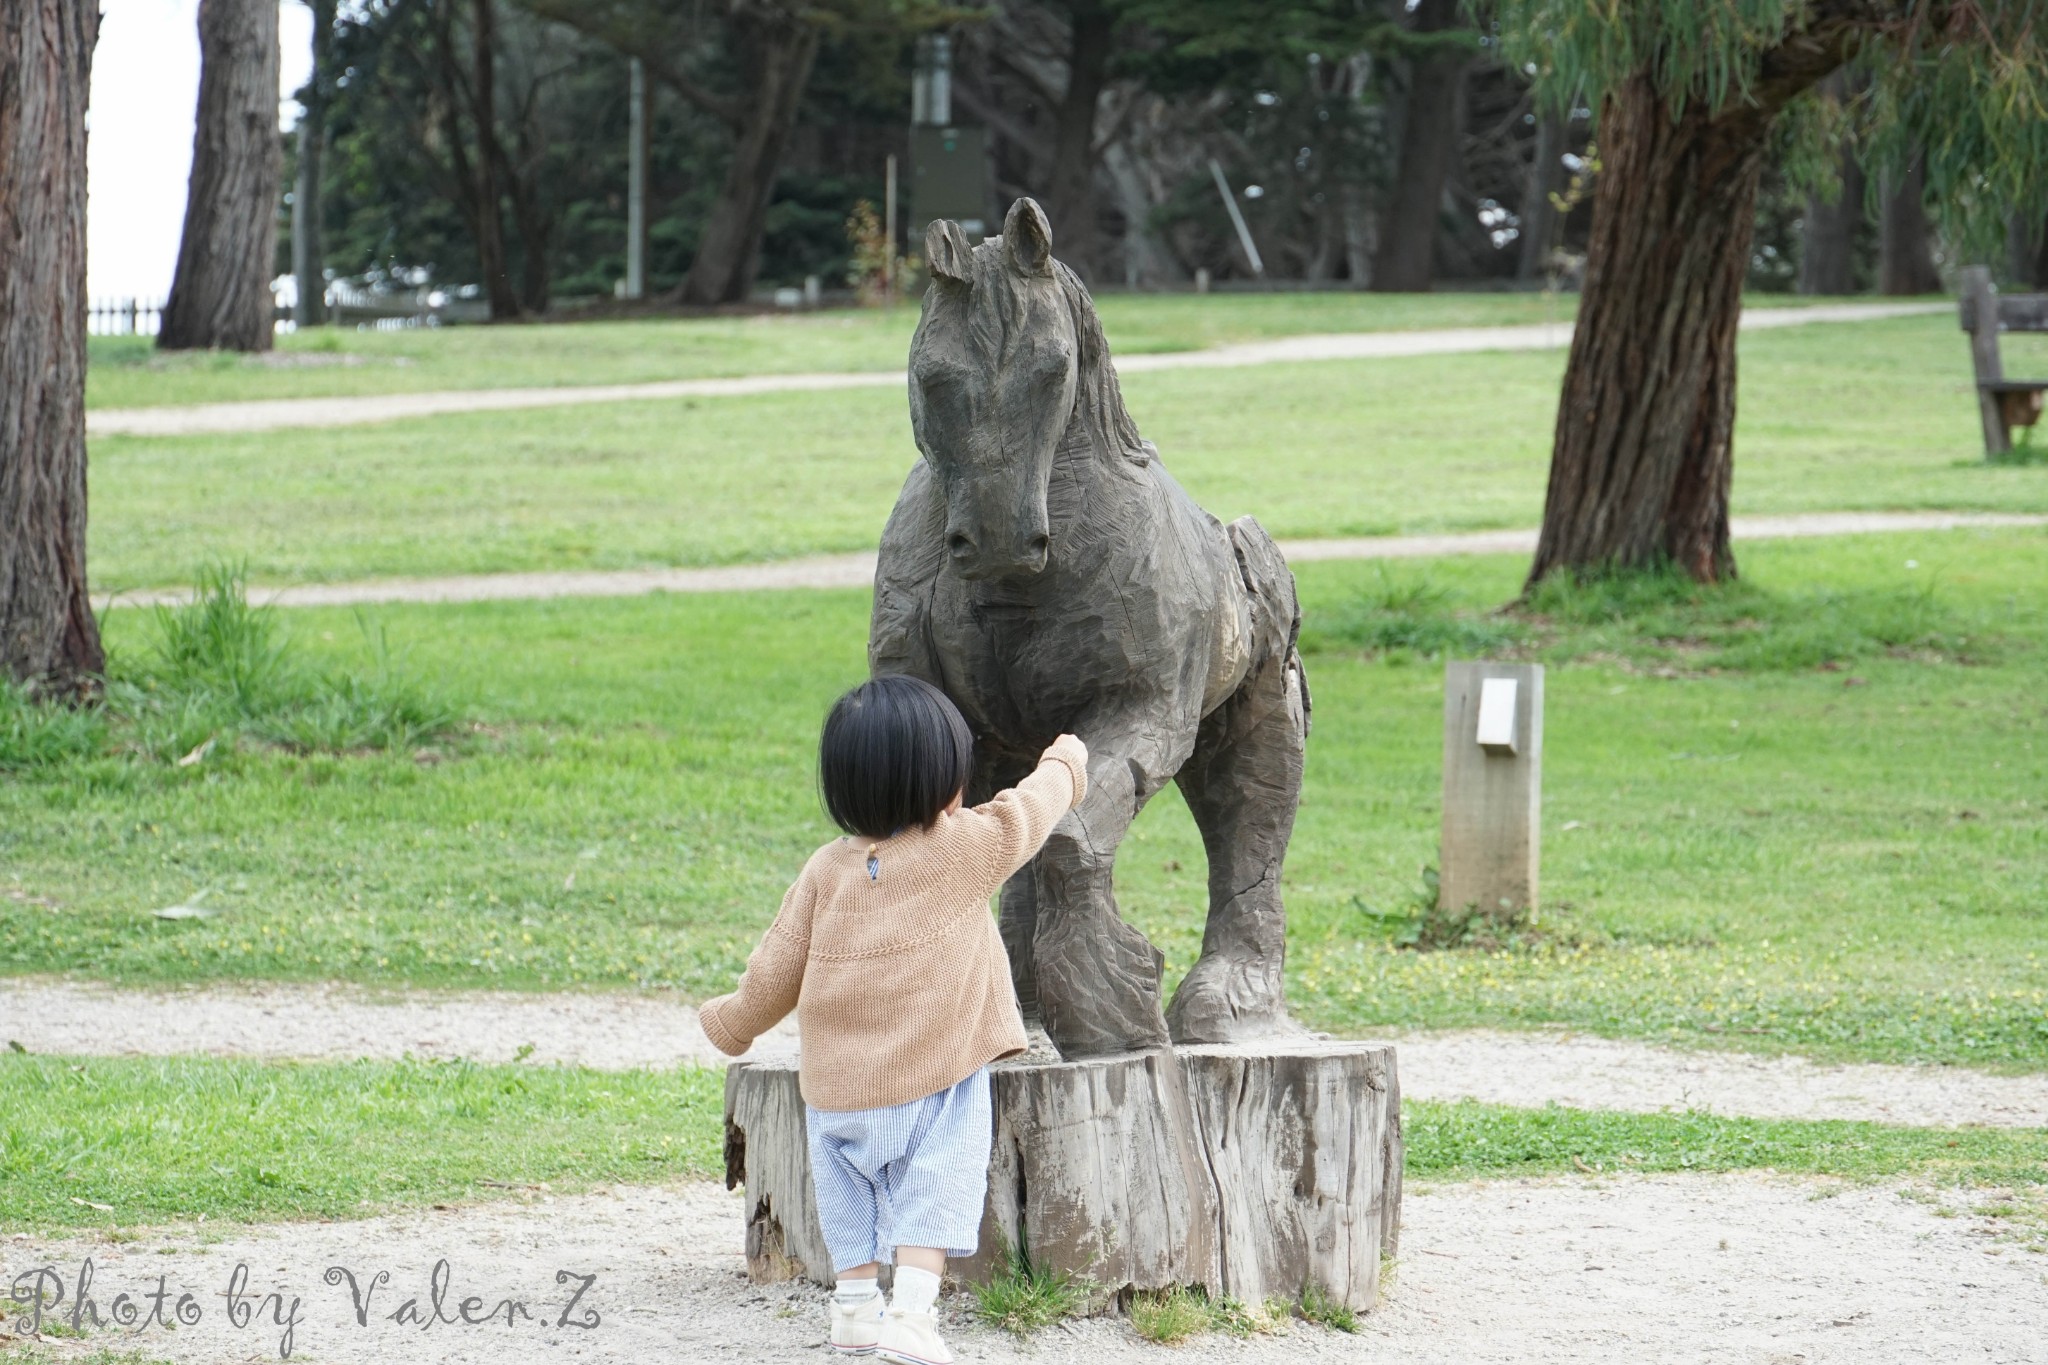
(912, 1339)
(856, 1327)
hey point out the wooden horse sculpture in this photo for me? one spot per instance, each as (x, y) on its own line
(1045, 571)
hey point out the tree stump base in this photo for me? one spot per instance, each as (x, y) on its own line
(1251, 1170)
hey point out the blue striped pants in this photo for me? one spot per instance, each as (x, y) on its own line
(912, 1175)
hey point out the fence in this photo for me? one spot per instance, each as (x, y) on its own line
(124, 317)
(347, 306)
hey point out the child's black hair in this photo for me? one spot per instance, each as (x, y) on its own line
(895, 753)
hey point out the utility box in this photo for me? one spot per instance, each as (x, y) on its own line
(1493, 789)
(949, 179)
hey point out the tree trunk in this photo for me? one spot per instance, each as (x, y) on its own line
(776, 50)
(1255, 1170)
(309, 259)
(221, 295)
(1827, 246)
(1542, 224)
(2026, 250)
(49, 640)
(1905, 263)
(1640, 468)
(1070, 189)
(489, 219)
(1429, 140)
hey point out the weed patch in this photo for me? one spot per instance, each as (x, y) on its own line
(1317, 1305)
(1171, 1317)
(1022, 1299)
(216, 672)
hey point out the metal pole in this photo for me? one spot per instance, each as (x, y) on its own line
(636, 185)
(1244, 234)
(889, 231)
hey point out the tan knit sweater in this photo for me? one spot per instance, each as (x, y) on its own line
(900, 984)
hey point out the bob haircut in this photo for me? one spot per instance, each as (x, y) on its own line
(895, 753)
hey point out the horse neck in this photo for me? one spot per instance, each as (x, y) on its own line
(1092, 459)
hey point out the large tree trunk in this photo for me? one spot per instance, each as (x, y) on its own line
(1070, 189)
(309, 258)
(487, 214)
(1640, 469)
(1429, 139)
(2026, 241)
(221, 295)
(776, 50)
(49, 640)
(1905, 261)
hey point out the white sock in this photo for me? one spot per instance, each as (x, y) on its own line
(916, 1290)
(856, 1291)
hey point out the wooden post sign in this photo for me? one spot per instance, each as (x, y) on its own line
(1493, 788)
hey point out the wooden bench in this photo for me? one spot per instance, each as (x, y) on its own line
(2003, 403)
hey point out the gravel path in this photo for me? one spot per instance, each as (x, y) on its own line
(858, 570)
(618, 1031)
(1568, 1272)
(276, 414)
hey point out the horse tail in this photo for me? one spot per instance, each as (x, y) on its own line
(1275, 608)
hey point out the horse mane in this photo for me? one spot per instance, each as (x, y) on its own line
(1098, 397)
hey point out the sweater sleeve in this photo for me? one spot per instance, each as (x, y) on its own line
(1011, 828)
(768, 988)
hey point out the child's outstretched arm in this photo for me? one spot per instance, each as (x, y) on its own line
(768, 988)
(1017, 822)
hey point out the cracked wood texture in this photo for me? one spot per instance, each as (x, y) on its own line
(49, 639)
(1641, 461)
(1251, 1171)
(220, 296)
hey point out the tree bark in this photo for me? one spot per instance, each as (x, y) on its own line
(309, 258)
(1640, 467)
(1905, 262)
(1070, 188)
(221, 295)
(49, 639)
(776, 49)
(2026, 240)
(1429, 140)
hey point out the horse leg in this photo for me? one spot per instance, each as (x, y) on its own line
(1242, 784)
(1096, 978)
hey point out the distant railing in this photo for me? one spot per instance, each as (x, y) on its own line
(124, 317)
(347, 306)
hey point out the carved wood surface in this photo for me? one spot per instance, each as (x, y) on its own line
(1253, 1171)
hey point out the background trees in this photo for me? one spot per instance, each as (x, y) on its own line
(221, 295)
(49, 639)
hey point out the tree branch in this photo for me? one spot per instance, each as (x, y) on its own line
(629, 40)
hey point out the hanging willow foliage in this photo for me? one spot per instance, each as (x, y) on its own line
(1963, 83)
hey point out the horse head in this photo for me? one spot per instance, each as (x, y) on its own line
(1001, 349)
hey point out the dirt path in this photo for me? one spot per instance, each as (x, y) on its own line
(1567, 1272)
(276, 414)
(619, 1031)
(858, 570)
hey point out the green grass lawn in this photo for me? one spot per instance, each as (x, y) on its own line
(1870, 416)
(115, 1143)
(130, 372)
(1848, 860)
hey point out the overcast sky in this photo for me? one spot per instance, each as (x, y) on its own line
(145, 83)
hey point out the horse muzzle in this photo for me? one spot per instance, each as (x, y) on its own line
(974, 561)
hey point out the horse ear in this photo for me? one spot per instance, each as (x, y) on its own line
(947, 253)
(1027, 237)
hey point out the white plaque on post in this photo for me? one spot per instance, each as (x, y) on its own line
(1493, 788)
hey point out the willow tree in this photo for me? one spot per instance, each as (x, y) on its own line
(1692, 100)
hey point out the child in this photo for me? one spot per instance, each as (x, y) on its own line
(886, 950)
